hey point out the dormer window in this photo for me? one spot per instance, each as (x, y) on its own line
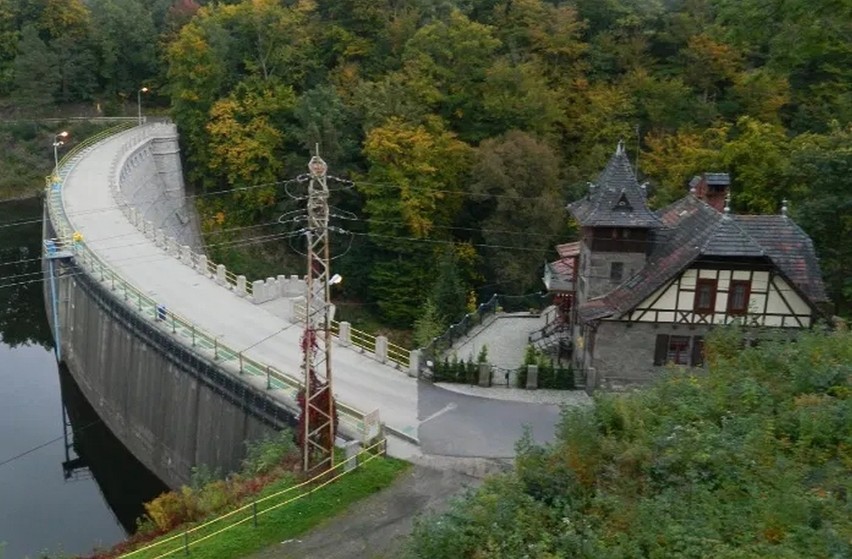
(623, 204)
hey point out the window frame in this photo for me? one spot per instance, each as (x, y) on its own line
(739, 311)
(613, 266)
(689, 351)
(701, 283)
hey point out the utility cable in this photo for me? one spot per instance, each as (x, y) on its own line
(45, 444)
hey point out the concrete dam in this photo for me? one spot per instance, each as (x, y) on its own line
(181, 358)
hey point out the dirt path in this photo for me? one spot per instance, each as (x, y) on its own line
(378, 527)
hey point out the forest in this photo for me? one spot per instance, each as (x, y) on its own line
(456, 131)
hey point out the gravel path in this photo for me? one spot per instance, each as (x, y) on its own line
(378, 527)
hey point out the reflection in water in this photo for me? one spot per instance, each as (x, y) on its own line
(93, 451)
(55, 498)
(22, 318)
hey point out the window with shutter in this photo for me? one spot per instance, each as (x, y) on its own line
(661, 349)
(697, 351)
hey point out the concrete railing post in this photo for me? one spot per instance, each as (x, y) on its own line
(484, 374)
(221, 274)
(149, 229)
(159, 238)
(413, 363)
(351, 448)
(532, 377)
(241, 285)
(344, 334)
(202, 264)
(282, 286)
(381, 349)
(186, 255)
(258, 291)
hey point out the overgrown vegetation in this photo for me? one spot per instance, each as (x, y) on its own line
(271, 466)
(271, 459)
(749, 459)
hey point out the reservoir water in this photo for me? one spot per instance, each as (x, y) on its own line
(67, 485)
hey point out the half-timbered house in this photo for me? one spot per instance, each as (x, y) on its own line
(648, 286)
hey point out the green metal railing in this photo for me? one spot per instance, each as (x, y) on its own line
(183, 329)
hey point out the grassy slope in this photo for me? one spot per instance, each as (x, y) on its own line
(296, 518)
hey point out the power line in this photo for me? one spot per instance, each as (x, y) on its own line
(45, 444)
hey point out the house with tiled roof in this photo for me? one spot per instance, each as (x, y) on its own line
(644, 287)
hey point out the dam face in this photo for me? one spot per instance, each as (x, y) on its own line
(174, 408)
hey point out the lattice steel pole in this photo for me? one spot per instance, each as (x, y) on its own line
(318, 428)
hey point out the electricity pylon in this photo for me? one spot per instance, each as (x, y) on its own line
(318, 421)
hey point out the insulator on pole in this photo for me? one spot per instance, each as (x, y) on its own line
(318, 423)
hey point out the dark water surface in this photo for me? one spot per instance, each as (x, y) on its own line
(66, 484)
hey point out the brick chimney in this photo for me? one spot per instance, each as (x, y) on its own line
(713, 188)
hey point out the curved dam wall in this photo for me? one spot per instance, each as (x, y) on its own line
(149, 178)
(174, 407)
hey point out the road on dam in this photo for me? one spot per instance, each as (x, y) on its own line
(444, 422)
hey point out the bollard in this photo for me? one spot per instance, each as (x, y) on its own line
(484, 374)
(532, 377)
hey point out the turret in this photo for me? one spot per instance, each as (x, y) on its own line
(616, 227)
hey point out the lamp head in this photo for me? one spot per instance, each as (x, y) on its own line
(144, 90)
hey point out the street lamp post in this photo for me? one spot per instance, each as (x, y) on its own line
(58, 140)
(139, 102)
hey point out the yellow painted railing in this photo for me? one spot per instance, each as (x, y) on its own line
(183, 541)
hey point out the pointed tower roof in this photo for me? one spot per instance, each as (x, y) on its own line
(615, 199)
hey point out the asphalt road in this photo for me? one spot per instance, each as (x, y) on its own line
(453, 424)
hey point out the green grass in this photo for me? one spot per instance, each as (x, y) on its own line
(293, 519)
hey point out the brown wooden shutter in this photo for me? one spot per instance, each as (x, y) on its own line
(661, 350)
(697, 351)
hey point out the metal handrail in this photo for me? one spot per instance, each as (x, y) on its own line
(181, 327)
(251, 511)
